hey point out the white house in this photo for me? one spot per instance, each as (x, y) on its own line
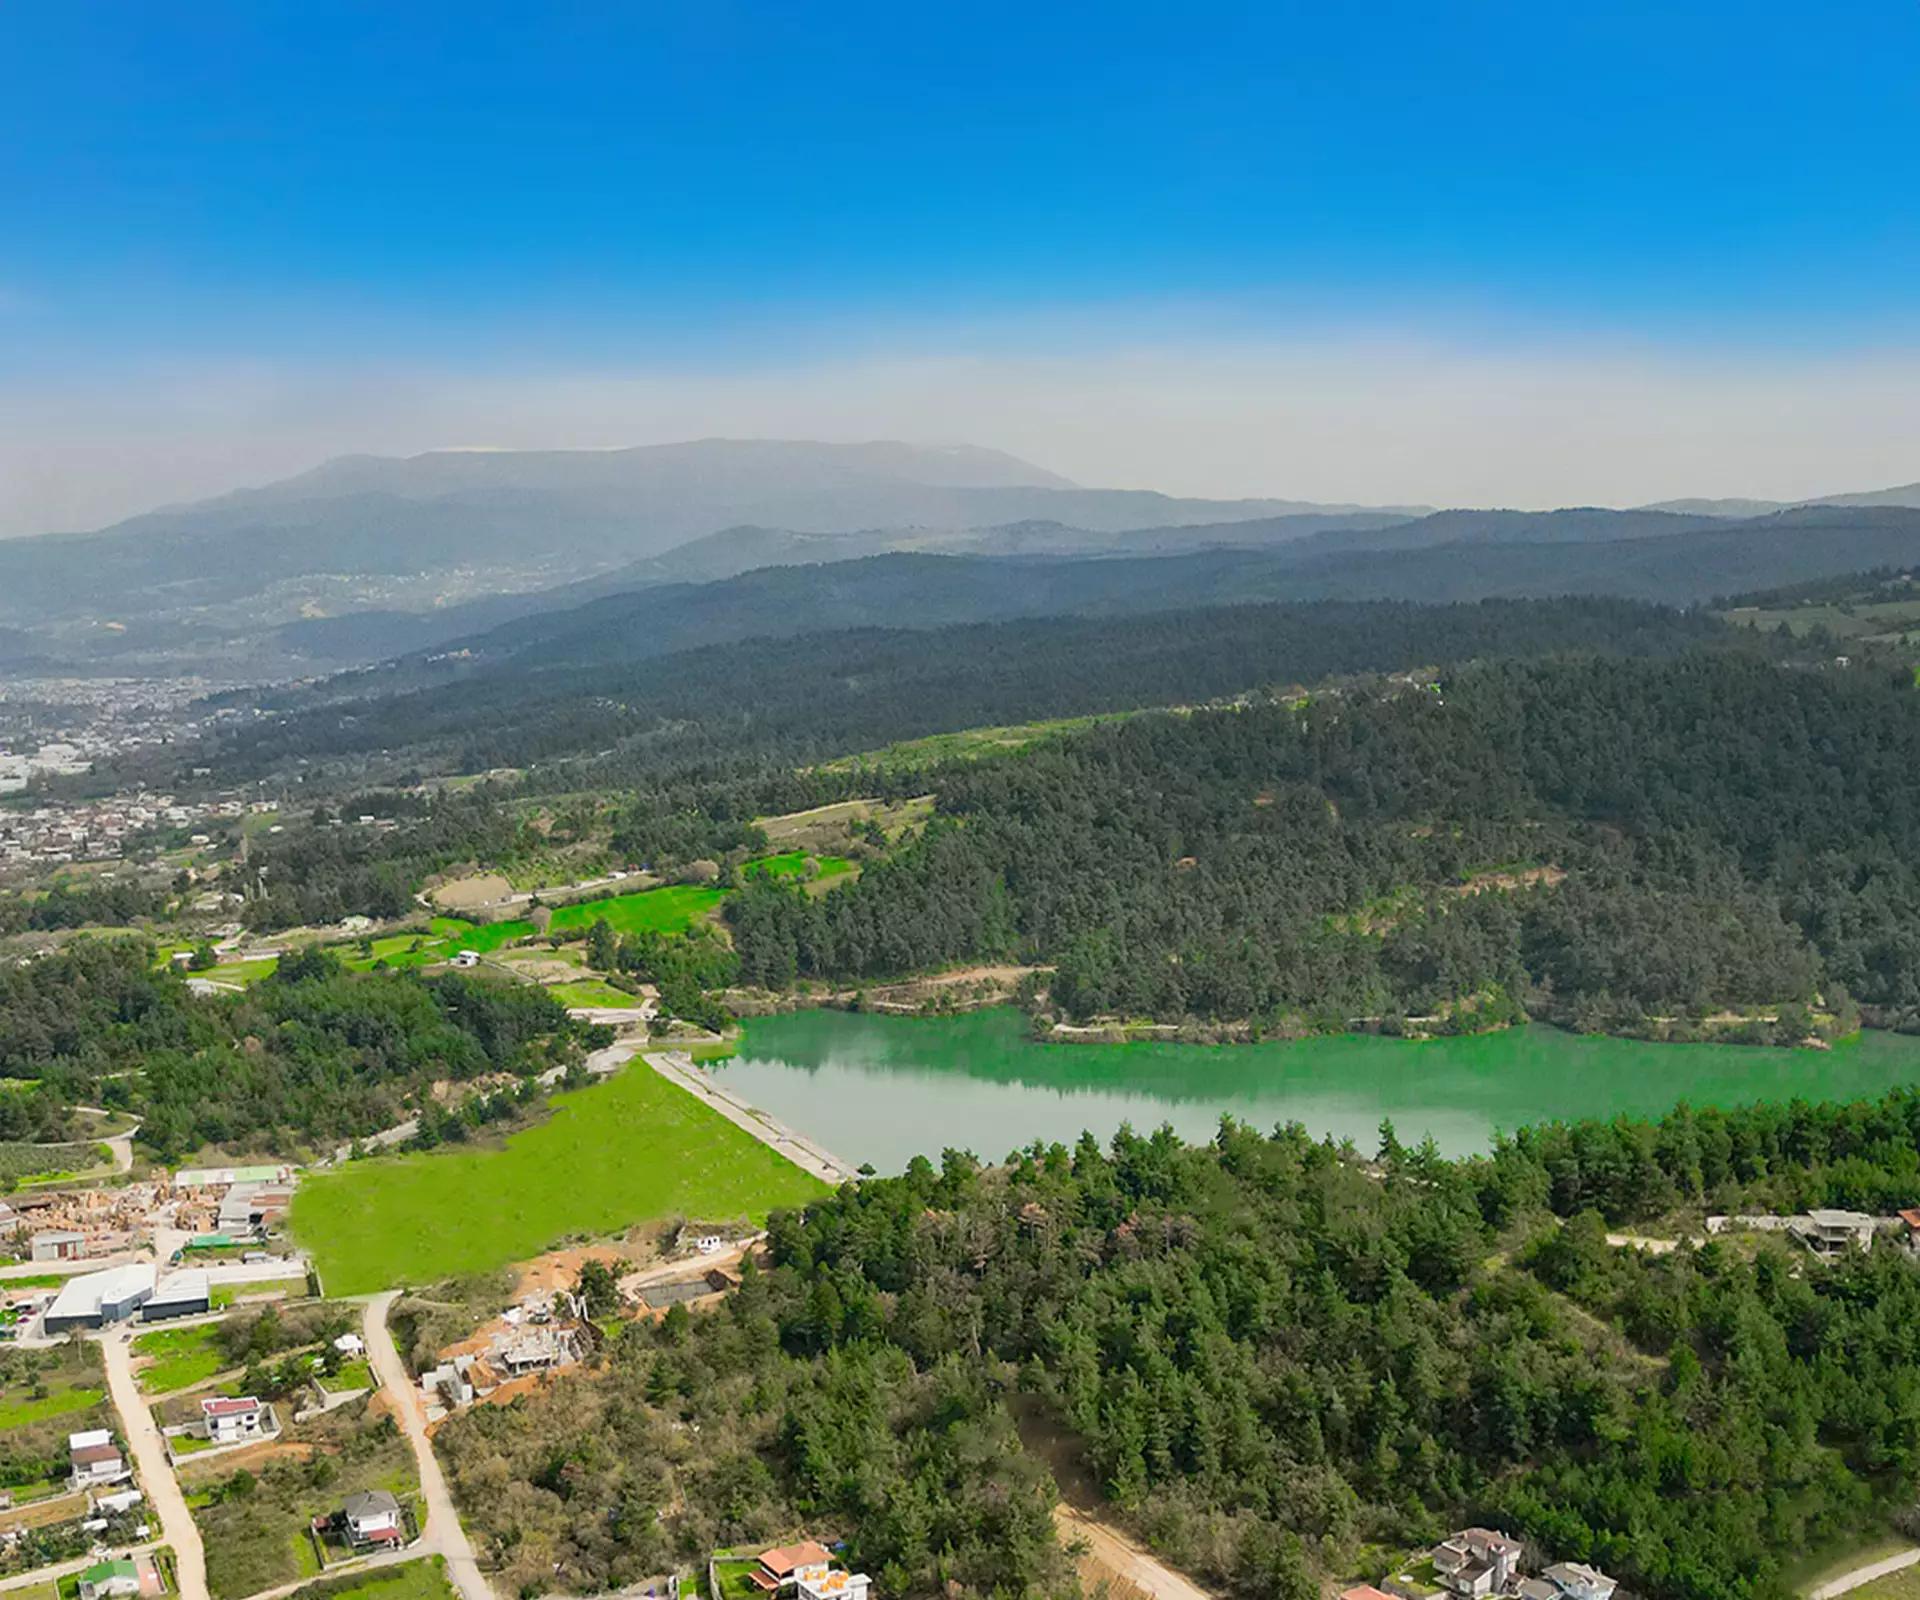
(372, 1517)
(350, 1345)
(234, 1421)
(95, 1458)
(832, 1584)
(1476, 1562)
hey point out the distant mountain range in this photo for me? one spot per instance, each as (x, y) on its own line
(370, 558)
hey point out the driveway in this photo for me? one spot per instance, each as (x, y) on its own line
(156, 1473)
(444, 1535)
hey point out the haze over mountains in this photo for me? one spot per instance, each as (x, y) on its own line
(367, 558)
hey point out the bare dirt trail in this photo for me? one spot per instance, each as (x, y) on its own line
(444, 1536)
(162, 1488)
(1080, 1515)
(1860, 1577)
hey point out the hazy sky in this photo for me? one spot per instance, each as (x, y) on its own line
(1500, 253)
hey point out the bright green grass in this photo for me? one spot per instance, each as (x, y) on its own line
(181, 1357)
(58, 1403)
(354, 1375)
(793, 864)
(36, 1280)
(591, 992)
(413, 1580)
(655, 910)
(241, 973)
(633, 1149)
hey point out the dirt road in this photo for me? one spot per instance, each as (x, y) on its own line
(1124, 1559)
(162, 1488)
(444, 1535)
(1862, 1576)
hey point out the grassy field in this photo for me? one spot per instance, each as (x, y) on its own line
(793, 864)
(180, 1357)
(412, 1580)
(61, 1400)
(629, 1150)
(47, 1391)
(591, 992)
(656, 910)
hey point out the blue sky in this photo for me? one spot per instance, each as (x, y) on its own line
(708, 188)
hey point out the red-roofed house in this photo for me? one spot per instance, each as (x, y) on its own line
(785, 1565)
(233, 1421)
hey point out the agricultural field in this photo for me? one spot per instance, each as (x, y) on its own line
(253, 1510)
(633, 1149)
(41, 1163)
(179, 1357)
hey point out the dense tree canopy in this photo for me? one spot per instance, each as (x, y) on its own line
(1599, 840)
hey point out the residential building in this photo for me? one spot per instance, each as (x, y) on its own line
(351, 1345)
(449, 1380)
(372, 1518)
(1476, 1562)
(831, 1584)
(96, 1299)
(95, 1458)
(1570, 1580)
(1365, 1591)
(234, 1421)
(1828, 1232)
(110, 1580)
(780, 1568)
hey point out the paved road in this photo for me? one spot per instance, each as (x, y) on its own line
(677, 1067)
(1860, 1576)
(444, 1535)
(162, 1488)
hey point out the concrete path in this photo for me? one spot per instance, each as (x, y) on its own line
(677, 1067)
(443, 1536)
(161, 1487)
(1860, 1576)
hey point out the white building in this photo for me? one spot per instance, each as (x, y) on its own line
(234, 1421)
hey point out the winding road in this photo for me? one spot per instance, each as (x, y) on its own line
(443, 1535)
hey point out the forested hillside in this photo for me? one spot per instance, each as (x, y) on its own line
(826, 695)
(1597, 841)
(310, 1056)
(1280, 1365)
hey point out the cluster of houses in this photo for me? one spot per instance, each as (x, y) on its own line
(1480, 1563)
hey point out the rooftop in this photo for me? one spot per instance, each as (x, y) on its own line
(782, 1559)
(85, 1295)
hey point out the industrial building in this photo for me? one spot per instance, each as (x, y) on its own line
(179, 1294)
(95, 1299)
